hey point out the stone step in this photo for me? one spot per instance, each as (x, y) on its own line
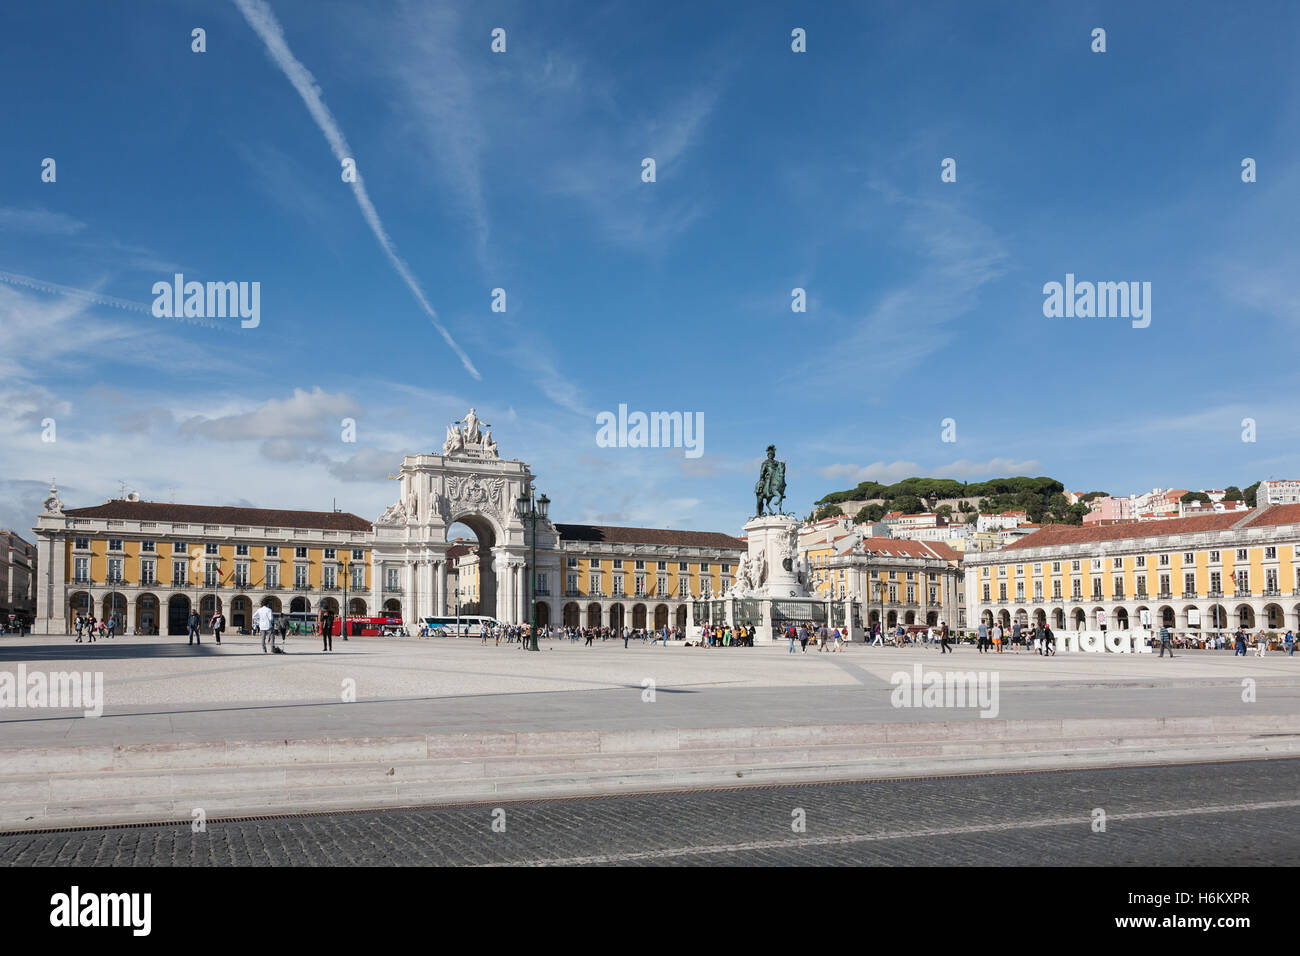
(383, 775)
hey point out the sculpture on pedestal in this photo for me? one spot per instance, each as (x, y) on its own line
(770, 484)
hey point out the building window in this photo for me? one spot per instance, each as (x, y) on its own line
(1141, 561)
(911, 594)
(541, 583)
(1038, 590)
(893, 593)
(573, 562)
(1164, 560)
(593, 583)
(1214, 557)
(1241, 554)
(147, 572)
(211, 574)
(300, 576)
(393, 579)
(300, 552)
(358, 554)
(1020, 590)
(358, 577)
(1189, 557)
(726, 569)
(704, 567)
(331, 554)
(934, 594)
(1096, 589)
(640, 566)
(1270, 554)
(1056, 567)
(682, 566)
(180, 547)
(1216, 582)
(115, 544)
(661, 584)
(81, 570)
(241, 550)
(81, 544)
(986, 594)
(180, 573)
(1243, 582)
(1270, 580)
(1189, 582)
(1076, 589)
(272, 575)
(329, 577)
(1117, 563)
(663, 566)
(241, 574)
(211, 548)
(1164, 584)
(148, 546)
(1074, 565)
(272, 551)
(1056, 590)
(683, 586)
(571, 585)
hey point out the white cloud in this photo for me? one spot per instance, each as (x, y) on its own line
(312, 415)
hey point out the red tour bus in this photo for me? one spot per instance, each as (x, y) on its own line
(361, 626)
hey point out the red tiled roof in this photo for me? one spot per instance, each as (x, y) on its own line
(1276, 515)
(1057, 535)
(904, 547)
(219, 514)
(660, 536)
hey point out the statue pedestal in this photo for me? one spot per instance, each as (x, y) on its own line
(773, 546)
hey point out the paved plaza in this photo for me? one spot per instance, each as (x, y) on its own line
(162, 689)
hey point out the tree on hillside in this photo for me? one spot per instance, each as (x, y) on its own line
(1195, 496)
(908, 504)
(1249, 495)
(869, 514)
(1233, 493)
(944, 511)
(1092, 496)
(827, 511)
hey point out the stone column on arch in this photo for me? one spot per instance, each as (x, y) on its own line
(440, 603)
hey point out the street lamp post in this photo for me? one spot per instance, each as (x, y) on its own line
(343, 614)
(456, 593)
(532, 511)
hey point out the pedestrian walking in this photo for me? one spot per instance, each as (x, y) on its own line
(944, 648)
(326, 630)
(194, 627)
(804, 636)
(1288, 642)
(982, 637)
(1165, 638)
(218, 624)
(264, 621)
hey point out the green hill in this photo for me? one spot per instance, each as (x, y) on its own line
(1042, 498)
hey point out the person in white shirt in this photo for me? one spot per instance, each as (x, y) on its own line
(264, 621)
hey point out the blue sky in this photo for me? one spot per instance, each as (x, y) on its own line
(521, 170)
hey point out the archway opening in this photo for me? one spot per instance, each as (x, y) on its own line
(471, 540)
(178, 614)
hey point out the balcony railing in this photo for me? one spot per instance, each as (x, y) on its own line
(1214, 594)
(1272, 592)
(1165, 596)
(1189, 595)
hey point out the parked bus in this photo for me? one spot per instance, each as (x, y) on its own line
(467, 625)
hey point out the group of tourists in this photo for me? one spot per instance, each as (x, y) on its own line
(725, 635)
(821, 636)
(992, 638)
(90, 628)
(926, 636)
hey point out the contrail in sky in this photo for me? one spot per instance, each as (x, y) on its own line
(262, 19)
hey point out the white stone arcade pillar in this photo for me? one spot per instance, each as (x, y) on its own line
(440, 604)
(522, 610)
